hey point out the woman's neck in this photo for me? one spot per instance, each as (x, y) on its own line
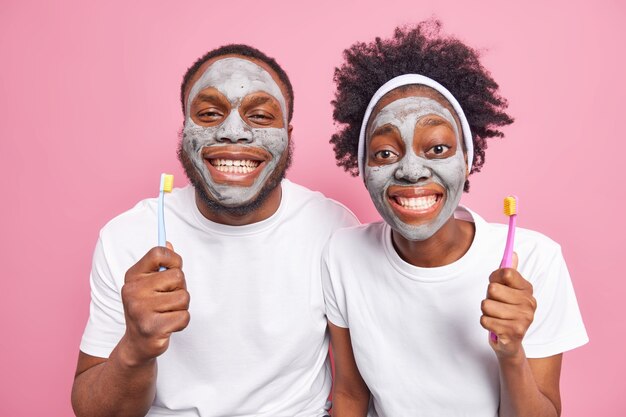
(446, 246)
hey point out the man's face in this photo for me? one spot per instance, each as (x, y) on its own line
(415, 167)
(235, 145)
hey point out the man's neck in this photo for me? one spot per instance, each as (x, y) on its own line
(266, 210)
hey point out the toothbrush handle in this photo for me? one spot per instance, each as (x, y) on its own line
(507, 259)
(161, 222)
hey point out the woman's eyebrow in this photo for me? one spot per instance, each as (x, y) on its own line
(384, 130)
(432, 121)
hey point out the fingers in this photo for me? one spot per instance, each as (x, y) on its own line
(509, 295)
(157, 329)
(511, 278)
(509, 309)
(171, 301)
(168, 280)
(155, 258)
(175, 321)
(523, 312)
(507, 331)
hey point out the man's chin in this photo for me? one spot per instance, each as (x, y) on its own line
(244, 207)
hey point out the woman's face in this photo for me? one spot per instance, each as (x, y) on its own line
(415, 166)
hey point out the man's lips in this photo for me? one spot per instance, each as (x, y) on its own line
(235, 165)
(415, 204)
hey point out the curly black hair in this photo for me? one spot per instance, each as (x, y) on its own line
(243, 50)
(420, 49)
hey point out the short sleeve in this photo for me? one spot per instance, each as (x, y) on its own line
(334, 297)
(558, 325)
(106, 324)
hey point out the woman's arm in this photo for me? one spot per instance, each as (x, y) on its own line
(528, 387)
(350, 394)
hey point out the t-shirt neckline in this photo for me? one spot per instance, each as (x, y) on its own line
(440, 273)
(243, 230)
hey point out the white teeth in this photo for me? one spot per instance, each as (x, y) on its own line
(417, 203)
(238, 166)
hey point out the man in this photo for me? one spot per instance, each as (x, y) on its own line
(237, 317)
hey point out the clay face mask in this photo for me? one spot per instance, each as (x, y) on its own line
(415, 170)
(235, 78)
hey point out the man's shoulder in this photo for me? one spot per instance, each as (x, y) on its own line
(303, 200)
(370, 234)
(142, 216)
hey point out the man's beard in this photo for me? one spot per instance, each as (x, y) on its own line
(198, 183)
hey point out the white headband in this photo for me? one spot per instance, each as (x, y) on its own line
(408, 79)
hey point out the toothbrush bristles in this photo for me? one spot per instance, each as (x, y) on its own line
(168, 183)
(510, 205)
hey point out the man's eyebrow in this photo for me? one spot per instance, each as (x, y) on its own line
(207, 97)
(259, 100)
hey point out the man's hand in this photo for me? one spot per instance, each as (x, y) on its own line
(508, 310)
(156, 304)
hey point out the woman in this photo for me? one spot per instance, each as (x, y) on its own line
(411, 300)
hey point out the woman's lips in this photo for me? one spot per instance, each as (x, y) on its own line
(235, 165)
(416, 205)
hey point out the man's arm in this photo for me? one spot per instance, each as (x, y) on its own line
(350, 394)
(155, 305)
(105, 387)
(528, 387)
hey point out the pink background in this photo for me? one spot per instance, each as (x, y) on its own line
(90, 116)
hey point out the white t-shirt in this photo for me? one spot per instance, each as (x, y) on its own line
(416, 332)
(256, 344)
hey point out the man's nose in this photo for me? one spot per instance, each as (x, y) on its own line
(234, 129)
(413, 170)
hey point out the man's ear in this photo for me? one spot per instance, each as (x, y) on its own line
(289, 130)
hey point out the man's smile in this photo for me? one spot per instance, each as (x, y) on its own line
(234, 164)
(237, 166)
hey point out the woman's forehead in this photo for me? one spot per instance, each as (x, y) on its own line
(413, 90)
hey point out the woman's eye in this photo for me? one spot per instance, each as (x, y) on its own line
(385, 155)
(438, 149)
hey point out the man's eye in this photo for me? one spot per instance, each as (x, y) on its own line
(260, 117)
(209, 114)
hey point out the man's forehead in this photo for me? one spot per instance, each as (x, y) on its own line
(244, 61)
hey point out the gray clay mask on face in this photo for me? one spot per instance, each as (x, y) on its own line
(235, 78)
(415, 170)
